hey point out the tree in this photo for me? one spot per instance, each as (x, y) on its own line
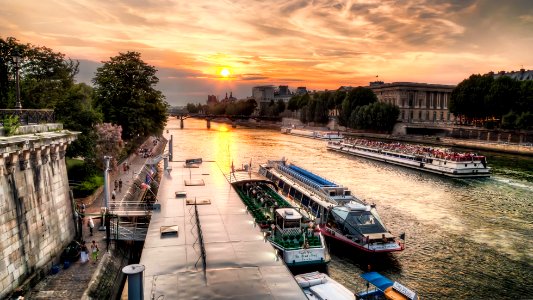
(125, 93)
(109, 143)
(293, 103)
(468, 97)
(76, 113)
(503, 96)
(45, 76)
(192, 108)
(358, 96)
(280, 107)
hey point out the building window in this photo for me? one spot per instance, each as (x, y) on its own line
(442, 116)
(420, 115)
(448, 118)
(427, 115)
(434, 116)
(403, 102)
(403, 115)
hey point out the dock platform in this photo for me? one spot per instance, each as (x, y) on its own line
(217, 252)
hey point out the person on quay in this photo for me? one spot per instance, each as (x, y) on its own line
(94, 251)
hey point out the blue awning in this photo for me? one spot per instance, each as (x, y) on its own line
(380, 281)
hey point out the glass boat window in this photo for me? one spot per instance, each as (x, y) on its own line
(292, 224)
(357, 222)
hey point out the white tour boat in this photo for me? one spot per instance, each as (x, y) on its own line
(435, 160)
(319, 286)
(340, 215)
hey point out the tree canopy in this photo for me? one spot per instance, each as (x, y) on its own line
(358, 96)
(125, 93)
(504, 100)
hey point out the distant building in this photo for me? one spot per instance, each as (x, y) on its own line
(229, 99)
(212, 100)
(282, 93)
(418, 102)
(301, 90)
(263, 95)
(521, 75)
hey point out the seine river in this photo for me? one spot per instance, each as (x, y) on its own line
(465, 239)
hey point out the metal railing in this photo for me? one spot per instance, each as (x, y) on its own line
(28, 116)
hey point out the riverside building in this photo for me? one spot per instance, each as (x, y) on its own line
(418, 102)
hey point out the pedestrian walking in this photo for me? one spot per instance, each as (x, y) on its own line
(84, 255)
(94, 251)
(120, 185)
(114, 194)
(116, 184)
(83, 208)
(90, 223)
(125, 167)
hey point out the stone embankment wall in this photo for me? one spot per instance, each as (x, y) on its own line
(36, 213)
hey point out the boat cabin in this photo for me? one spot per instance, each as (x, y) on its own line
(288, 221)
(358, 221)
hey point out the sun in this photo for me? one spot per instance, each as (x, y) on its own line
(225, 72)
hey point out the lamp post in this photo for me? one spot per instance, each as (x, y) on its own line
(16, 60)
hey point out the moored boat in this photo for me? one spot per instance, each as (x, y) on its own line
(434, 160)
(315, 134)
(320, 286)
(340, 215)
(385, 289)
(298, 242)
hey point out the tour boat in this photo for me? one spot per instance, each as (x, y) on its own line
(315, 134)
(297, 240)
(319, 286)
(385, 289)
(435, 160)
(340, 215)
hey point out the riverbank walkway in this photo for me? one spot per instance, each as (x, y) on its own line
(74, 282)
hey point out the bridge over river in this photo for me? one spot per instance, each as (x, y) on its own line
(209, 117)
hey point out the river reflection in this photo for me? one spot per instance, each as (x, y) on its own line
(466, 239)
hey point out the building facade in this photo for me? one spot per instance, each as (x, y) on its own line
(418, 102)
(521, 75)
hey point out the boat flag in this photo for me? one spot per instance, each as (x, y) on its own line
(250, 166)
(232, 167)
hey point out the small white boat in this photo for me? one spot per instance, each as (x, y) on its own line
(320, 286)
(314, 134)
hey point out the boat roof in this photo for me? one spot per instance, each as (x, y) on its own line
(241, 177)
(322, 182)
(378, 280)
(289, 213)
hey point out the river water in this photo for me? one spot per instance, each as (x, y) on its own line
(465, 238)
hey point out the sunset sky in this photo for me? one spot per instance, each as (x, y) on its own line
(320, 44)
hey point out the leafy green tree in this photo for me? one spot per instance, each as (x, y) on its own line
(525, 121)
(293, 103)
(125, 93)
(76, 112)
(45, 76)
(503, 96)
(280, 107)
(525, 100)
(192, 108)
(468, 97)
(509, 120)
(358, 96)
(304, 100)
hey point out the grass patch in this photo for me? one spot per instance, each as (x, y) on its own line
(88, 186)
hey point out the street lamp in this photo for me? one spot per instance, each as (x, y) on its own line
(17, 59)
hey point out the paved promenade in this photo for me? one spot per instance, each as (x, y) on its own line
(73, 282)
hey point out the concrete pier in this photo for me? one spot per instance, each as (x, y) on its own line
(217, 252)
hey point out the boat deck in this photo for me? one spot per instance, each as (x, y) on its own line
(239, 263)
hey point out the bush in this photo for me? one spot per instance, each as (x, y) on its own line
(88, 186)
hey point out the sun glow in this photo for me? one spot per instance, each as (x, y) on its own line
(225, 72)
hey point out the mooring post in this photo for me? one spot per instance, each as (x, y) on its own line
(208, 124)
(181, 123)
(135, 281)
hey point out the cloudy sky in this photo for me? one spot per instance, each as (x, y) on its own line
(320, 44)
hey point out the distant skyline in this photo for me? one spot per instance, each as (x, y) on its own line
(320, 44)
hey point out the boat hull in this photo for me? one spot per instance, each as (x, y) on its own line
(417, 165)
(390, 247)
